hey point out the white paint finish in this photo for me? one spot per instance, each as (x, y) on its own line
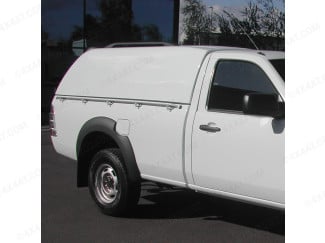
(123, 127)
(145, 73)
(247, 156)
(162, 140)
(163, 180)
(238, 197)
(273, 54)
(188, 142)
(155, 133)
(70, 116)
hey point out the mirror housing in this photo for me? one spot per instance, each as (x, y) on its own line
(263, 104)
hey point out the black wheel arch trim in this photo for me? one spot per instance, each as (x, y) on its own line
(107, 126)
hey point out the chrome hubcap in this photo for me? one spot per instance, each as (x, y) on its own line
(106, 183)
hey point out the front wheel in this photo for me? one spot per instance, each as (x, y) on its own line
(108, 183)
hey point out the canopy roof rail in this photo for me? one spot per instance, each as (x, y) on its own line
(138, 44)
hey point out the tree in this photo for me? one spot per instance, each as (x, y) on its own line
(224, 25)
(114, 24)
(273, 19)
(116, 19)
(260, 18)
(77, 33)
(252, 18)
(196, 20)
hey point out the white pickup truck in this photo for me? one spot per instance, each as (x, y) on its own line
(210, 119)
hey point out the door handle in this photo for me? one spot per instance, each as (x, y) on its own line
(210, 128)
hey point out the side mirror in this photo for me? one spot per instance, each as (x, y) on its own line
(263, 104)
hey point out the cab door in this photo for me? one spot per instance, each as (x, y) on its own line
(232, 151)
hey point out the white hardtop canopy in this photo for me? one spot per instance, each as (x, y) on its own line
(164, 74)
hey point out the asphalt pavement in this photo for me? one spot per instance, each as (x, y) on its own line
(163, 214)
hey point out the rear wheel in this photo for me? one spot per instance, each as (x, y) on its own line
(108, 183)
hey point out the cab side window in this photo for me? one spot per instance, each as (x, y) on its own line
(232, 80)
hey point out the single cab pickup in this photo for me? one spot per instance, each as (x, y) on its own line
(210, 119)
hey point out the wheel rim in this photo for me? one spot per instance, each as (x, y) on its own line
(106, 183)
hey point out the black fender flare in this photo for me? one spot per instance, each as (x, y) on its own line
(107, 126)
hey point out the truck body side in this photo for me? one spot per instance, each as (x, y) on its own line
(160, 121)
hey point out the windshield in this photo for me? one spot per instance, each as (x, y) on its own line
(278, 64)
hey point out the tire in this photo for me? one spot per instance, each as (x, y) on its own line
(108, 183)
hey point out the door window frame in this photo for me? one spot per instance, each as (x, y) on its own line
(211, 83)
